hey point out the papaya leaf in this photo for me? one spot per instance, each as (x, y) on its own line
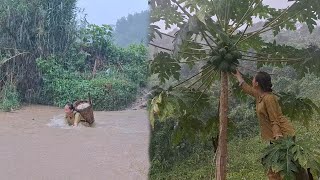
(153, 30)
(208, 75)
(216, 30)
(165, 66)
(297, 108)
(166, 10)
(178, 104)
(175, 103)
(186, 127)
(191, 27)
(210, 128)
(189, 97)
(192, 53)
(255, 43)
(288, 157)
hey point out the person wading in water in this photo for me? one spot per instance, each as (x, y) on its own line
(72, 117)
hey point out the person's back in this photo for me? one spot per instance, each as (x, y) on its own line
(74, 118)
(272, 121)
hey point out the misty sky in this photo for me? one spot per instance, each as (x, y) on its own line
(277, 3)
(108, 11)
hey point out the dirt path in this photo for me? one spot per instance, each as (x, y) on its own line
(117, 148)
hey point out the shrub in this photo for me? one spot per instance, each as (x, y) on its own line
(9, 97)
(61, 86)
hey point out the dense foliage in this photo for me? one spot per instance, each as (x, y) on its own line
(210, 35)
(30, 29)
(48, 57)
(194, 161)
(244, 158)
(9, 97)
(39, 27)
(132, 29)
(113, 84)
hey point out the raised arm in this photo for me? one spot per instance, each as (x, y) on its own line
(246, 87)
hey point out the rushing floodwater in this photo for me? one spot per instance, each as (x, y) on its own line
(36, 144)
(58, 122)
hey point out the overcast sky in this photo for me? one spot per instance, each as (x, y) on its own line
(277, 3)
(108, 11)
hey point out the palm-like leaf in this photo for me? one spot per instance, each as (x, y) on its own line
(165, 66)
(297, 108)
(288, 158)
(216, 26)
(179, 105)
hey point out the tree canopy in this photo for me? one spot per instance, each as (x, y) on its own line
(218, 34)
(132, 29)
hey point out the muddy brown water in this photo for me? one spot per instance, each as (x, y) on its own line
(36, 145)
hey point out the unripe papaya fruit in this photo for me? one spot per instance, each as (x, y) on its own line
(228, 57)
(216, 60)
(224, 66)
(222, 51)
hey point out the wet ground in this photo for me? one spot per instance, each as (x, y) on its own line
(35, 144)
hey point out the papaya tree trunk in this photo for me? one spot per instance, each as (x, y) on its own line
(221, 161)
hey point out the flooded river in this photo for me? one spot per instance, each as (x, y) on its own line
(35, 144)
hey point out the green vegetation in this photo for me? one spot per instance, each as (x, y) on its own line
(47, 57)
(114, 82)
(132, 29)
(62, 86)
(193, 159)
(210, 39)
(9, 97)
(244, 158)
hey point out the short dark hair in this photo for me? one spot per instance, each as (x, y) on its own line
(70, 105)
(264, 81)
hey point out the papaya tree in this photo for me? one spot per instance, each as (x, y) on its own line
(217, 35)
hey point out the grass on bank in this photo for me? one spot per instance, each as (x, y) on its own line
(244, 158)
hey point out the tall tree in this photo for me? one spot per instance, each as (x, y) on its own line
(40, 27)
(216, 34)
(32, 29)
(132, 29)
